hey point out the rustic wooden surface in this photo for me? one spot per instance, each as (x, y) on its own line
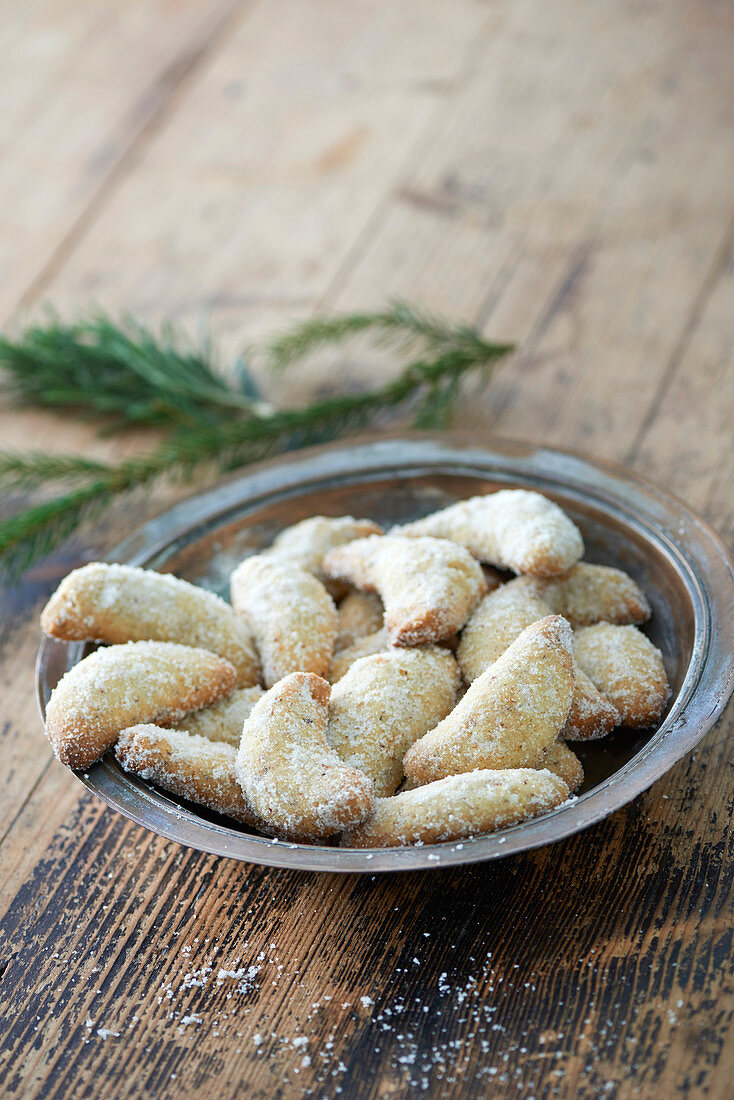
(561, 175)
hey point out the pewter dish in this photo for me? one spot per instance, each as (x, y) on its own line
(676, 558)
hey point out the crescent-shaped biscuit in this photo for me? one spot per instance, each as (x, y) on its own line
(223, 721)
(386, 702)
(511, 529)
(296, 785)
(292, 617)
(305, 544)
(125, 685)
(564, 763)
(428, 586)
(121, 603)
(627, 668)
(592, 715)
(187, 765)
(590, 594)
(495, 623)
(458, 807)
(510, 714)
(359, 614)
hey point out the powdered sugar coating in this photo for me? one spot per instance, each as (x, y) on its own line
(359, 614)
(428, 586)
(590, 594)
(458, 807)
(511, 529)
(386, 702)
(296, 785)
(292, 617)
(223, 721)
(627, 668)
(305, 543)
(125, 685)
(122, 603)
(510, 714)
(496, 622)
(342, 661)
(187, 765)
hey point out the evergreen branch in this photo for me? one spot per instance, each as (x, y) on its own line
(121, 371)
(34, 468)
(430, 384)
(401, 325)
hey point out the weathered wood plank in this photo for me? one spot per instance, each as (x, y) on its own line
(81, 86)
(248, 219)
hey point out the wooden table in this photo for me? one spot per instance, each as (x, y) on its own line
(559, 174)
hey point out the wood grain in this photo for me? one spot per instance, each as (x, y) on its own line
(558, 174)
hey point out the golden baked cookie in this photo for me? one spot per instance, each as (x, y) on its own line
(627, 668)
(511, 529)
(458, 807)
(290, 613)
(386, 702)
(428, 586)
(187, 765)
(121, 603)
(589, 594)
(564, 763)
(510, 714)
(495, 623)
(125, 685)
(292, 780)
(305, 543)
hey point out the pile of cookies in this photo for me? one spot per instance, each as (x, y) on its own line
(396, 688)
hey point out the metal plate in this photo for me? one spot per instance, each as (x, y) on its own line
(675, 557)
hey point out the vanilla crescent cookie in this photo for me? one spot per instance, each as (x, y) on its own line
(458, 807)
(495, 623)
(590, 594)
(511, 529)
(428, 586)
(564, 763)
(292, 780)
(291, 615)
(627, 668)
(223, 721)
(124, 685)
(510, 714)
(305, 543)
(342, 661)
(592, 715)
(187, 765)
(386, 702)
(121, 603)
(358, 614)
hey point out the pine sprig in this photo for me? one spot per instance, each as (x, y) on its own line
(217, 433)
(399, 325)
(33, 469)
(123, 372)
